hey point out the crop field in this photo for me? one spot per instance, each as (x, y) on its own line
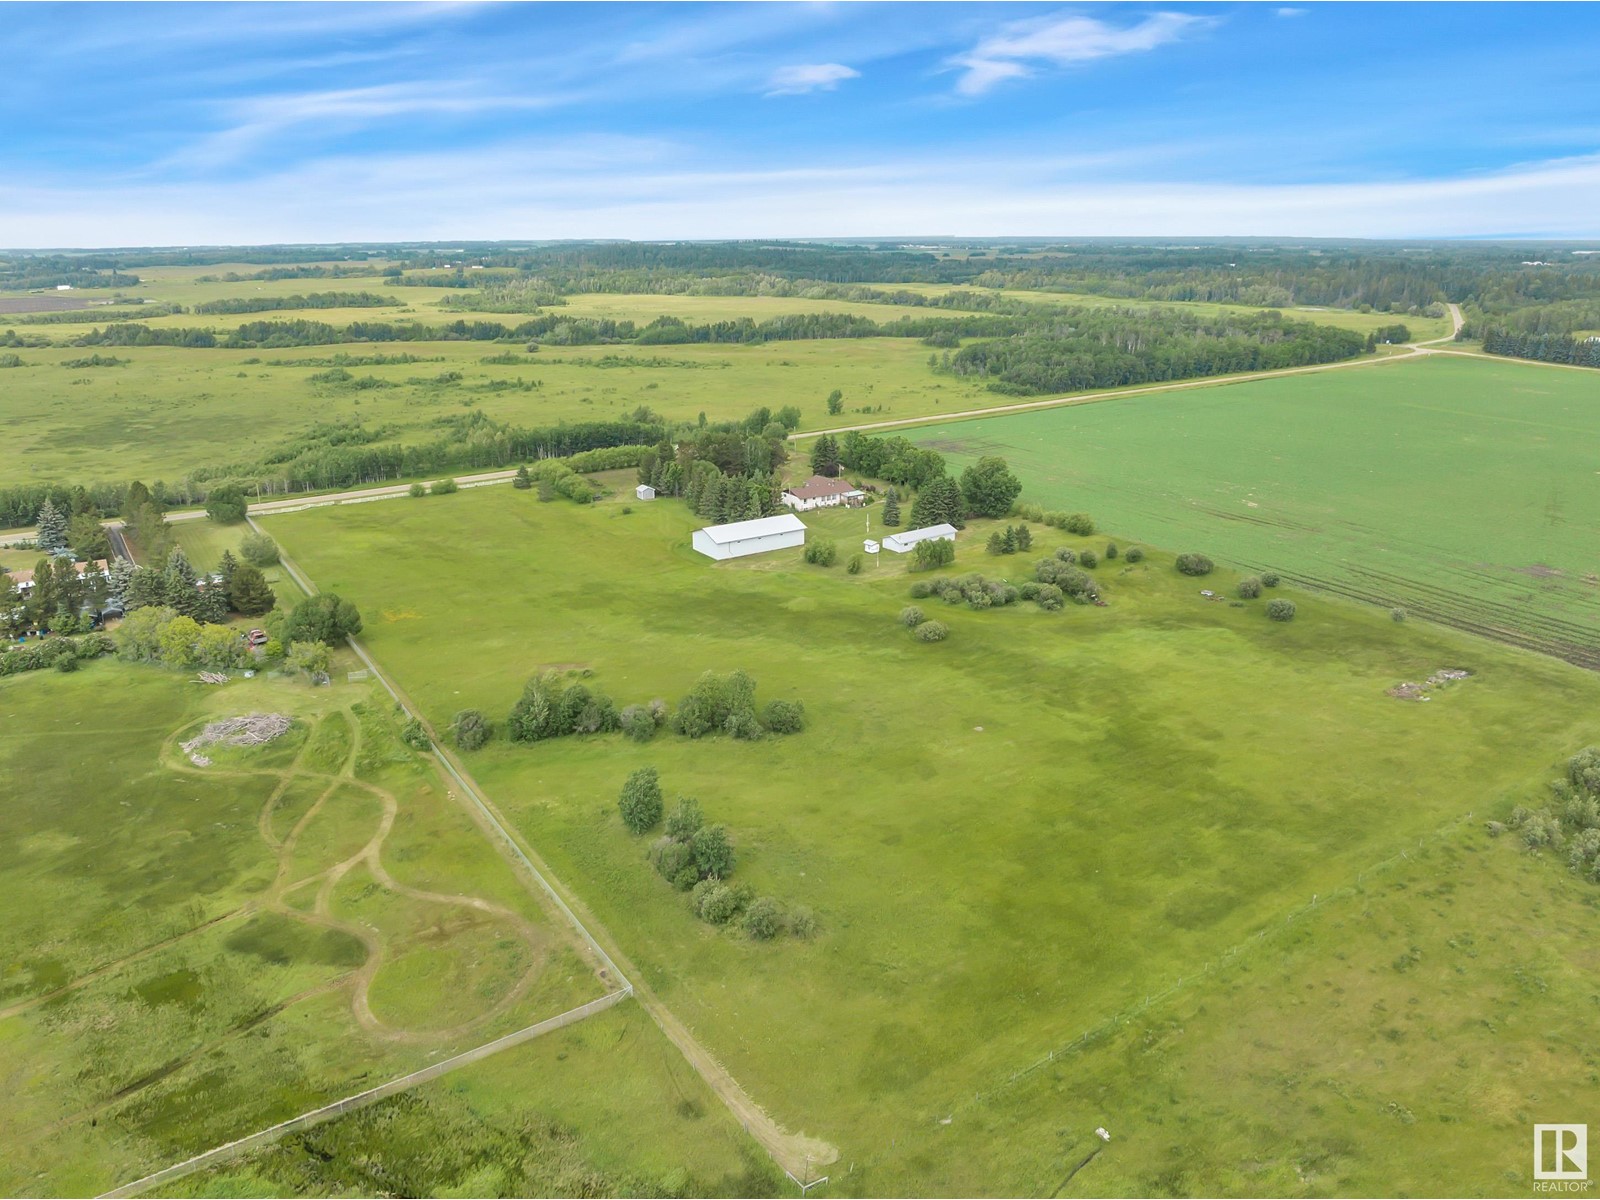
(193, 951)
(1008, 838)
(1466, 491)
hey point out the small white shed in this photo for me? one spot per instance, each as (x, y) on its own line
(645, 492)
(870, 546)
(901, 543)
(750, 537)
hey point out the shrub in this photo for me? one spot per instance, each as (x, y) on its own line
(1249, 588)
(1089, 560)
(444, 487)
(471, 729)
(1280, 609)
(1194, 564)
(952, 596)
(712, 701)
(1133, 554)
(1078, 523)
(416, 490)
(685, 820)
(640, 801)
(1583, 769)
(933, 553)
(1269, 579)
(226, 505)
(785, 716)
(717, 904)
(258, 549)
(1029, 590)
(1067, 554)
(638, 723)
(67, 663)
(1049, 597)
(326, 617)
(672, 859)
(911, 616)
(853, 567)
(1397, 615)
(1111, 551)
(921, 589)
(802, 923)
(822, 553)
(713, 852)
(763, 920)
(414, 735)
(931, 631)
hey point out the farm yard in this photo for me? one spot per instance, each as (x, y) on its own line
(201, 942)
(1465, 491)
(1007, 838)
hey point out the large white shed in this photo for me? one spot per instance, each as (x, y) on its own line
(750, 537)
(901, 543)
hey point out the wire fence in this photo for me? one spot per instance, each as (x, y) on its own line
(348, 1104)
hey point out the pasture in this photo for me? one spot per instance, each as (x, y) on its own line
(1008, 838)
(1465, 490)
(195, 951)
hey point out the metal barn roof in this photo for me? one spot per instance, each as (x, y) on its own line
(740, 531)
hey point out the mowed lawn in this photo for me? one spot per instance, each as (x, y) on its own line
(1467, 491)
(1007, 837)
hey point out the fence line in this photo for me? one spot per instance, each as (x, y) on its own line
(360, 1100)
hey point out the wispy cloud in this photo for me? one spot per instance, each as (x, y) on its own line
(809, 77)
(1292, 12)
(1061, 41)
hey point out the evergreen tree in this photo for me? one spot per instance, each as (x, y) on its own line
(179, 584)
(52, 527)
(825, 456)
(211, 604)
(146, 589)
(87, 536)
(1025, 538)
(119, 584)
(523, 481)
(996, 544)
(250, 593)
(835, 402)
(891, 509)
(1008, 541)
(226, 566)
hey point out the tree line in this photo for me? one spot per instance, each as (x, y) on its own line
(255, 304)
(1542, 347)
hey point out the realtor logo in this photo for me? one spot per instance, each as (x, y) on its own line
(1561, 1152)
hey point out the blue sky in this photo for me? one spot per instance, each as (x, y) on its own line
(133, 124)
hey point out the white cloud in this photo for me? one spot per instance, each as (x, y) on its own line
(1062, 41)
(810, 77)
(1292, 12)
(627, 188)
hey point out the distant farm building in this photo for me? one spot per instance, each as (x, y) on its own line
(24, 579)
(645, 492)
(870, 546)
(821, 492)
(750, 537)
(901, 543)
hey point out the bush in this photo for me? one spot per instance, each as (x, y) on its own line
(1195, 564)
(1030, 590)
(67, 663)
(444, 487)
(802, 923)
(713, 852)
(921, 589)
(673, 860)
(931, 554)
(1397, 615)
(853, 567)
(685, 820)
(226, 505)
(1088, 560)
(822, 553)
(326, 617)
(1249, 588)
(1111, 551)
(258, 549)
(1066, 554)
(470, 729)
(717, 704)
(911, 616)
(1269, 579)
(1049, 597)
(416, 490)
(717, 904)
(763, 920)
(414, 735)
(931, 631)
(785, 716)
(638, 723)
(640, 801)
(1280, 610)
(1133, 554)
(1078, 523)
(1583, 769)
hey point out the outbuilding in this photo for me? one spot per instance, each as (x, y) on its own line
(901, 543)
(870, 546)
(645, 492)
(750, 537)
(821, 492)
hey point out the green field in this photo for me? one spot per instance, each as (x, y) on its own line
(1466, 491)
(1008, 838)
(195, 951)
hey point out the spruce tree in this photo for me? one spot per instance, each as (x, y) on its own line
(211, 604)
(52, 527)
(891, 509)
(250, 593)
(179, 584)
(523, 481)
(825, 456)
(117, 586)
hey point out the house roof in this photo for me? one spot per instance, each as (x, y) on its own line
(820, 485)
(923, 534)
(22, 577)
(739, 531)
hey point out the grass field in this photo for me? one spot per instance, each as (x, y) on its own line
(1466, 491)
(194, 952)
(1008, 838)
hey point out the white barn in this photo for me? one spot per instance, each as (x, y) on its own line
(750, 537)
(901, 543)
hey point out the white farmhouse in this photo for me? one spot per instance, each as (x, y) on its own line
(901, 543)
(750, 537)
(821, 492)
